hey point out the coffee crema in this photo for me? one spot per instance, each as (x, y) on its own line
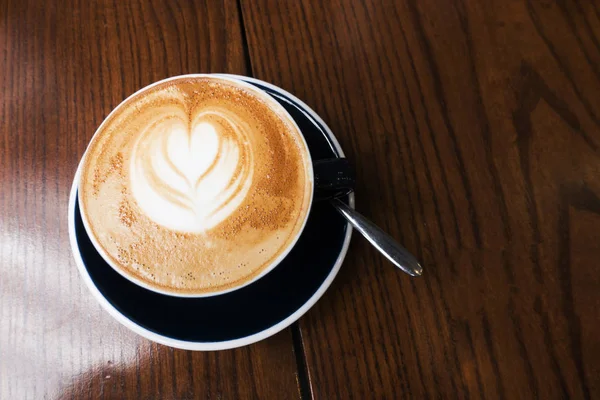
(196, 185)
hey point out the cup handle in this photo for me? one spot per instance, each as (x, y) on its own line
(333, 178)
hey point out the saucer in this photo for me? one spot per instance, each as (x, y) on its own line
(246, 315)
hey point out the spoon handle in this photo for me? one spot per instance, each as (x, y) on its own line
(383, 242)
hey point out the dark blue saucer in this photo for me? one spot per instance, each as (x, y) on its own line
(250, 313)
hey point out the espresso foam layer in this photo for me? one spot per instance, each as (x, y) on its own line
(195, 185)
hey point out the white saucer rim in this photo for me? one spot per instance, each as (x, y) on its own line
(228, 344)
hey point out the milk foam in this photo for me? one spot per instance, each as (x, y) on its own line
(191, 178)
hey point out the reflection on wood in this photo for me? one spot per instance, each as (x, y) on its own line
(62, 71)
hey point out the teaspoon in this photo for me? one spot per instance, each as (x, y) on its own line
(383, 242)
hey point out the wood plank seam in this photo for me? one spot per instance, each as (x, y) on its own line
(304, 387)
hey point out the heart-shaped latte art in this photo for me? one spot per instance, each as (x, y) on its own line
(190, 176)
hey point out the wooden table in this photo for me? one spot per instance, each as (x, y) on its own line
(474, 127)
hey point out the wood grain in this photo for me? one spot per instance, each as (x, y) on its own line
(62, 69)
(475, 131)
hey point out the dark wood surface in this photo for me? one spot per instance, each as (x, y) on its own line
(475, 131)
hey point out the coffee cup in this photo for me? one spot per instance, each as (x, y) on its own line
(198, 185)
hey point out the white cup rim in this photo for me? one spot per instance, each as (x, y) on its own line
(263, 96)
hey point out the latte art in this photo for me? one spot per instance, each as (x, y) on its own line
(195, 185)
(191, 177)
